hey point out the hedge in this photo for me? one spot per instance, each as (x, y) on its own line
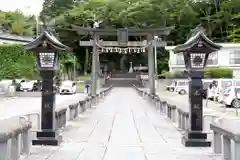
(219, 73)
(209, 73)
(15, 62)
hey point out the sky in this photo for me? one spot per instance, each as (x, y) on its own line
(28, 7)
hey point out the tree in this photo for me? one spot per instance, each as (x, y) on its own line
(54, 8)
(17, 23)
(219, 18)
(86, 63)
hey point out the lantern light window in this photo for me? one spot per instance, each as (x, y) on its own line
(197, 60)
(46, 59)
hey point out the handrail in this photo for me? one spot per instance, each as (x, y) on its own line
(178, 115)
(19, 134)
(27, 117)
(226, 134)
(19, 137)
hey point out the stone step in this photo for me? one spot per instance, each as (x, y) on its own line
(122, 85)
(122, 79)
(123, 82)
(125, 75)
(112, 81)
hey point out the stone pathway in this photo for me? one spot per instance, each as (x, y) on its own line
(123, 127)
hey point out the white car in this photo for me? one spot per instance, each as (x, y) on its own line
(231, 97)
(181, 87)
(27, 86)
(68, 87)
(170, 87)
(216, 93)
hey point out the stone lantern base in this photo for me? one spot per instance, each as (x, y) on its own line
(47, 138)
(195, 140)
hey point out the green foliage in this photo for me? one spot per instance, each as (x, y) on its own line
(219, 73)
(53, 8)
(173, 75)
(17, 23)
(15, 62)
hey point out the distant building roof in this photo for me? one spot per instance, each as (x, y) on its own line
(224, 45)
(11, 37)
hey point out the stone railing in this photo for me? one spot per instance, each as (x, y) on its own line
(226, 138)
(74, 110)
(60, 118)
(225, 132)
(16, 140)
(7, 90)
(79, 107)
(179, 115)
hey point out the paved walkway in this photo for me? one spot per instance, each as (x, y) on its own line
(123, 127)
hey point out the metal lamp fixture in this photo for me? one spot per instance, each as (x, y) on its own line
(47, 48)
(197, 60)
(195, 52)
(47, 60)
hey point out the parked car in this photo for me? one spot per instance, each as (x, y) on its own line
(181, 87)
(171, 87)
(68, 87)
(37, 86)
(27, 86)
(216, 90)
(234, 83)
(217, 93)
(232, 97)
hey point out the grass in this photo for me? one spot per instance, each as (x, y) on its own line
(81, 87)
(82, 78)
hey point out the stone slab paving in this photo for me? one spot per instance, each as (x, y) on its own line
(122, 127)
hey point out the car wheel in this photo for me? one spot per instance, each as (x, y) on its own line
(171, 89)
(182, 92)
(235, 103)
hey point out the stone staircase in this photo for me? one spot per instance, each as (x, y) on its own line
(119, 79)
(124, 75)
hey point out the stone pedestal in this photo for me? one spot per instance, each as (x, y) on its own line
(195, 139)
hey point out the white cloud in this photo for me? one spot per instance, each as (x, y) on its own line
(26, 6)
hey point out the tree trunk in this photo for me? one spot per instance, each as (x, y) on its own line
(86, 62)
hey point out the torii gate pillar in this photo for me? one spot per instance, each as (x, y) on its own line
(94, 74)
(151, 63)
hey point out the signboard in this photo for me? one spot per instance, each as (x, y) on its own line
(159, 43)
(122, 37)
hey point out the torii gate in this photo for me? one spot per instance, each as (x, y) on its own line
(123, 46)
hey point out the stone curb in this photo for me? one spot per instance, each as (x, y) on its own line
(8, 98)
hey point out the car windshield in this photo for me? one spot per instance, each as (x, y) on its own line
(237, 83)
(237, 90)
(66, 84)
(226, 84)
(182, 83)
